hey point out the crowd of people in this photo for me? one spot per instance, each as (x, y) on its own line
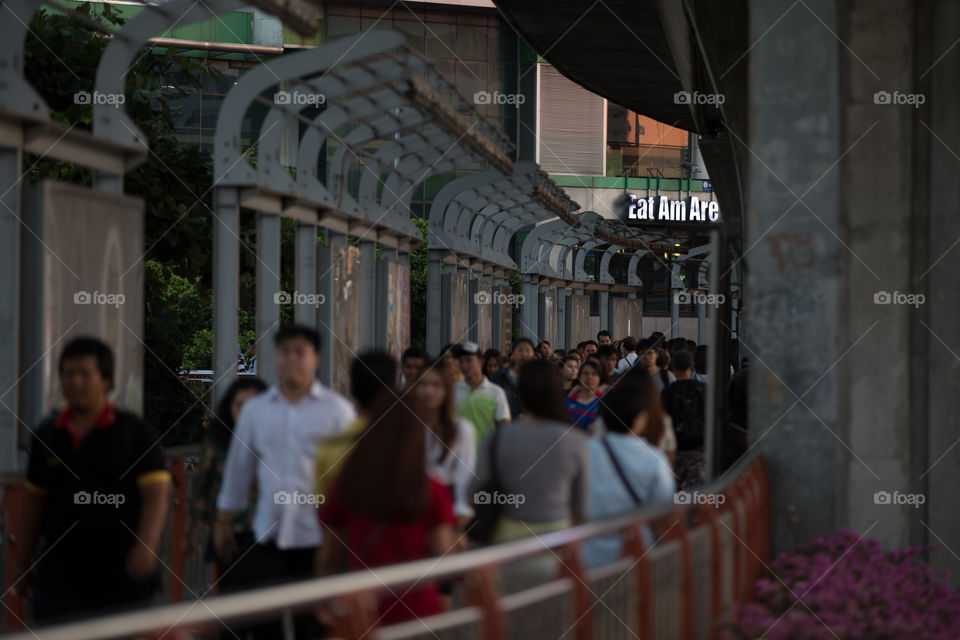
(430, 456)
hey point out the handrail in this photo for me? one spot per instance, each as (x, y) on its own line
(301, 595)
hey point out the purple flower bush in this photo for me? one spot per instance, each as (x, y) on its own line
(843, 587)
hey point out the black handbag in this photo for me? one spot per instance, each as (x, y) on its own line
(486, 509)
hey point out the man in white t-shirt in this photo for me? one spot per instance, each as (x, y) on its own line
(630, 358)
(478, 400)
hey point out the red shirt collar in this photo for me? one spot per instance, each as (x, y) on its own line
(105, 419)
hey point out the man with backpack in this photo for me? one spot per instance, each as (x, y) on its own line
(685, 401)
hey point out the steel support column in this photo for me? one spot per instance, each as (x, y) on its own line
(305, 275)
(226, 295)
(473, 315)
(528, 311)
(676, 286)
(268, 294)
(562, 319)
(611, 316)
(324, 314)
(606, 318)
(9, 312)
(434, 301)
(496, 326)
(368, 292)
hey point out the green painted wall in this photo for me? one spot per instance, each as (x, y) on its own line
(235, 27)
(614, 182)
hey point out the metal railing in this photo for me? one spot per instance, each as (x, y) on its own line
(707, 556)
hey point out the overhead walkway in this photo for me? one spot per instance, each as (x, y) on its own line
(707, 552)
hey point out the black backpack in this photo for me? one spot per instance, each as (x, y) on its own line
(687, 405)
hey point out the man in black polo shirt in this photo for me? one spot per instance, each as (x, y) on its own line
(97, 496)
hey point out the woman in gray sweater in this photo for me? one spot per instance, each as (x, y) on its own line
(541, 461)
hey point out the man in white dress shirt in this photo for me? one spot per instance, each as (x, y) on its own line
(274, 441)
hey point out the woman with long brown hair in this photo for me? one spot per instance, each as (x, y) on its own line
(386, 509)
(659, 428)
(450, 440)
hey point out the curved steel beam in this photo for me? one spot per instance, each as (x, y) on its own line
(18, 96)
(230, 168)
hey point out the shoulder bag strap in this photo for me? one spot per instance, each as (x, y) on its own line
(619, 470)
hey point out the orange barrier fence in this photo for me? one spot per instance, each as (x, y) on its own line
(709, 551)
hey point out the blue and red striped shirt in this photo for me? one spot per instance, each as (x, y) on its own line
(582, 414)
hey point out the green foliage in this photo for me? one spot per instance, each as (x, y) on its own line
(61, 59)
(175, 314)
(418, 288)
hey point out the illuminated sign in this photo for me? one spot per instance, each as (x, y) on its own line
(663, 210)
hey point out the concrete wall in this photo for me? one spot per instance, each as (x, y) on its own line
(851, 205)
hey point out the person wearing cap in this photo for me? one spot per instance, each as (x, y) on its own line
(478, 400)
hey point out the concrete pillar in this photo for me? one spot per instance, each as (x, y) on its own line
(934, 458)
(795, 274)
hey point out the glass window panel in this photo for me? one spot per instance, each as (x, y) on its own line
(471, 42)
(339, 26)
(412, 31)
(471, 78)
(441, 40)
(186, 110)
(447, 68)
(210, 111)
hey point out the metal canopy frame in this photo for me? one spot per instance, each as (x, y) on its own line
(391, 115)
(382, 89)
(476, 216)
